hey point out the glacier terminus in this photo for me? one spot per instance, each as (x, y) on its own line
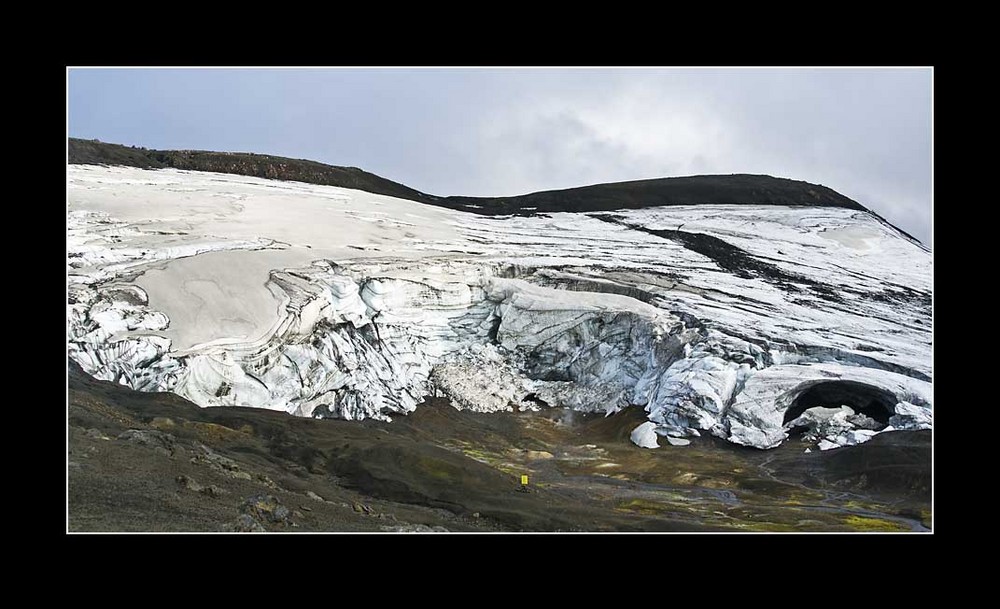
(746, 322)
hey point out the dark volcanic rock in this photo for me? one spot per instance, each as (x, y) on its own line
(267, 509)
(96, 434)
(189, 483)
(734, 189)
(741, 189)
(157, 440)
(92, 152)
(245, 523)
(192, 485)
(894, 463)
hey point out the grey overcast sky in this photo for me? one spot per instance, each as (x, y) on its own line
(863, 132)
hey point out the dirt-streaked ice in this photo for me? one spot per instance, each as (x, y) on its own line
(324, 301)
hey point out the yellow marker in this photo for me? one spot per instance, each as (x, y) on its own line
(524, 480)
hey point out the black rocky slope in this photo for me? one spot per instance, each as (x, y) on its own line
(734, 189)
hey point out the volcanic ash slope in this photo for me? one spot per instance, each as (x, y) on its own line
(747, 322)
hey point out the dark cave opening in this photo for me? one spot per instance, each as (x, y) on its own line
(534, 399)
(873, 402)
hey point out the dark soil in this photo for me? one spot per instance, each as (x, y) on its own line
(155, 462)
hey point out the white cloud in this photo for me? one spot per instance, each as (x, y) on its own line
(865, 133)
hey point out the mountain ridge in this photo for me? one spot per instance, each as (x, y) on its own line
(736, 189)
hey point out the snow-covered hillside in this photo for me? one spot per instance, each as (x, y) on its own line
(745, 322)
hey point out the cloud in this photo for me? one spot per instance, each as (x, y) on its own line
(564, 140)
(863, 132)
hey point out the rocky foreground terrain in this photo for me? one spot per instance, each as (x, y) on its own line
(155, 462)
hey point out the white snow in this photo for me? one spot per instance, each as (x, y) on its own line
(644, 436)
(324, 301)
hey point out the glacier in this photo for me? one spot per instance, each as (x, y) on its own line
(329, 302)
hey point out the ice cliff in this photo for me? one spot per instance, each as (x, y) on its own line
(745, 322)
